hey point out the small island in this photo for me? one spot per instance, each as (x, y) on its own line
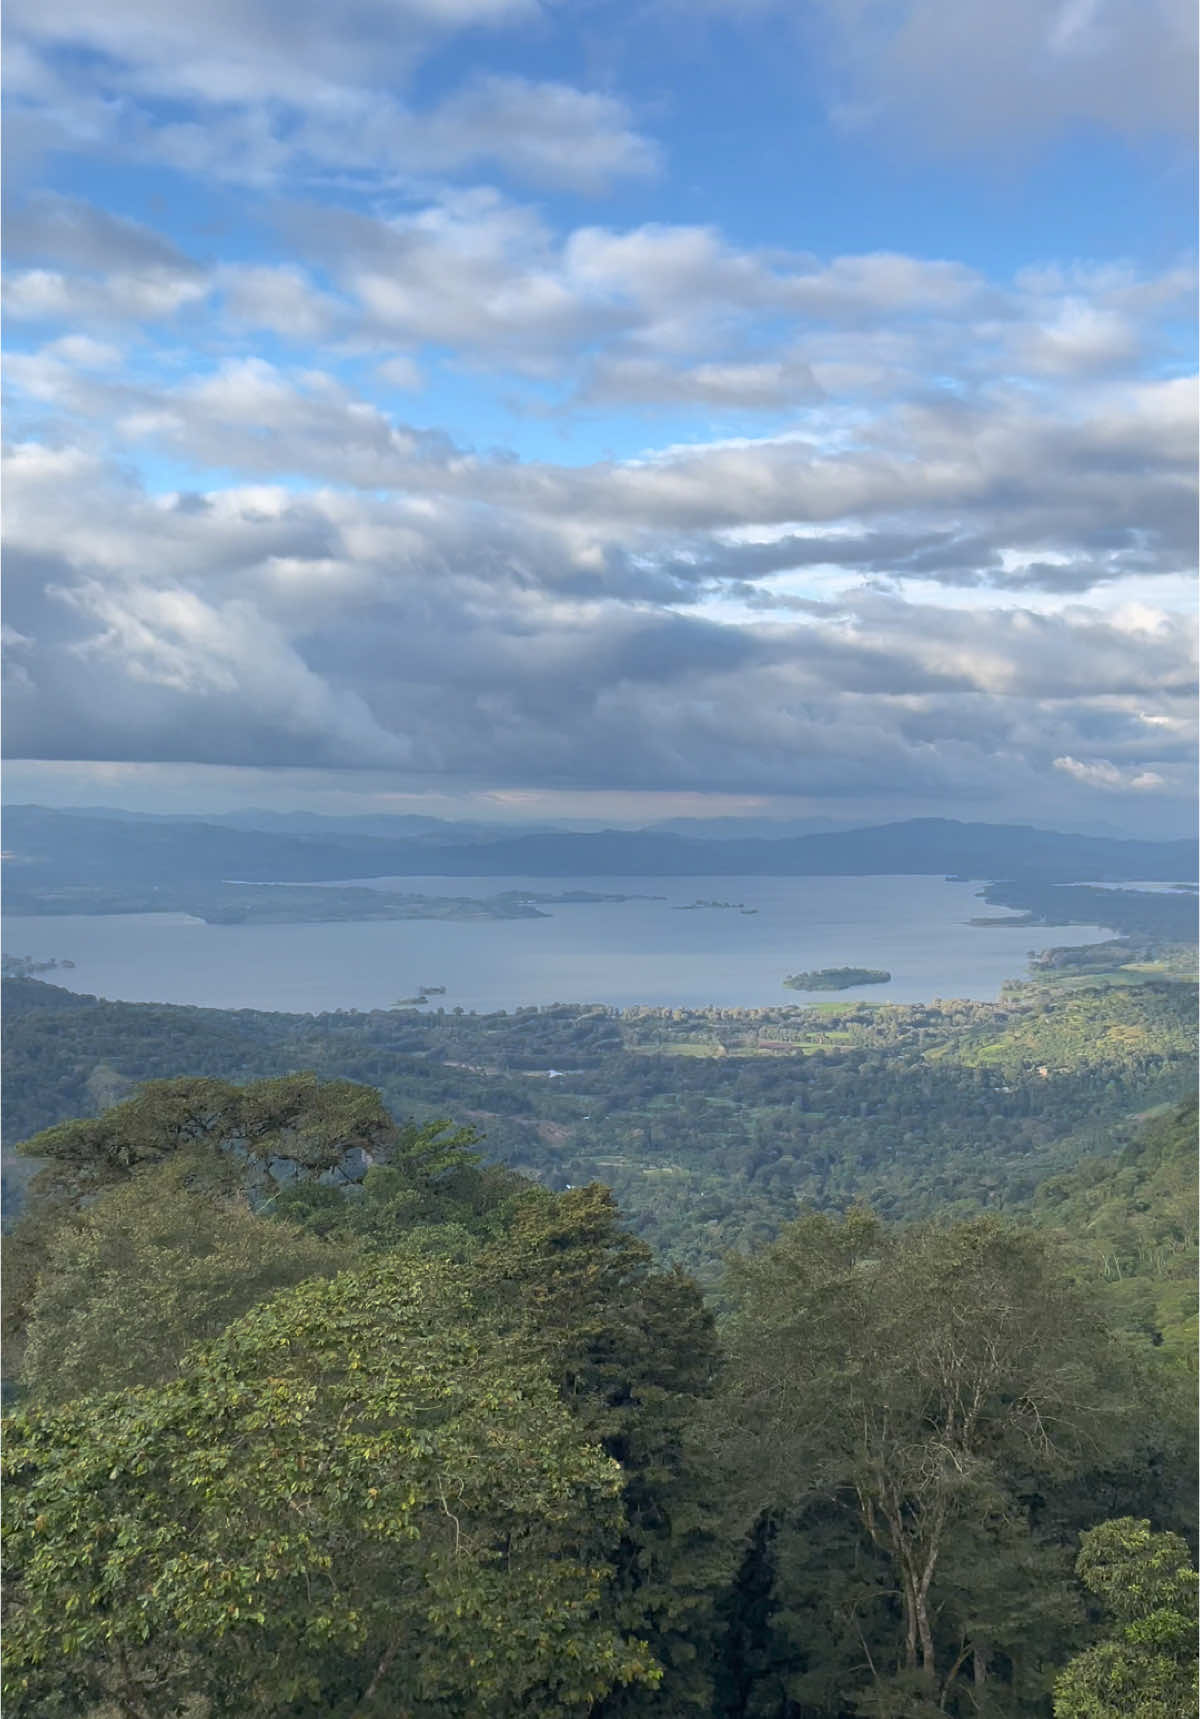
(729, 906)
(424, 992)
(27, 967)
(836, 978)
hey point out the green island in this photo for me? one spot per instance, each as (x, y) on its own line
(836, 978)
(606, 1364)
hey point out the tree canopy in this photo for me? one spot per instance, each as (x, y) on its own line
(1146, 1667)
(356, 1500)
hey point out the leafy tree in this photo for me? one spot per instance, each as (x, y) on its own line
(358, 1500)
(236, 1142)
(154, 1266)
(921, 1384)
(1146, 1669)
(633, 1353)
(307, 1121)
(432, 1178)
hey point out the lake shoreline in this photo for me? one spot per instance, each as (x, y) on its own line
(630, 951)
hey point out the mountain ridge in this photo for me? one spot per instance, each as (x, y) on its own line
(47, 847)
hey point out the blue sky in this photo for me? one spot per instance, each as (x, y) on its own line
(604, 409)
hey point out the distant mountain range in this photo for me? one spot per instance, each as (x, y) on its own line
(48, 849)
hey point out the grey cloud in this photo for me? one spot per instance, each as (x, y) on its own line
(742, 384)
(967, 72)
(49, 228)
(548, 133)
(335, 631)
(245, 50)
(86, 266)
(278, 297)
(965, 495)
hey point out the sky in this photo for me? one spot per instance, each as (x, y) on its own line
(615, 408)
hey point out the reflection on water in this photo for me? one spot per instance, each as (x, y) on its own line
(619, 953)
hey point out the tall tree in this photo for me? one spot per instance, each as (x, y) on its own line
(922, 1383)
(359, 1500)
(633, 1353)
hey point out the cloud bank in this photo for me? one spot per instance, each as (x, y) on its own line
(761, 521)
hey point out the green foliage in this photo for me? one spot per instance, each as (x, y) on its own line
(836, 978)
(633, 1353)
(359, 1499)
(896, 1397)
(154, 1266)
(234, 1140)
(506, 1463)
(1136, 1214)
(713, 1126)
(310, 1122)
(1147, 1668)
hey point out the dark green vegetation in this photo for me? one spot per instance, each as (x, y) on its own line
(1169, 916)
(317, 1414)
(714, 1127)
(1135, 1212)
(836, 978)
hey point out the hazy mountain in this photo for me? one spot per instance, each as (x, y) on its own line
(48, 848)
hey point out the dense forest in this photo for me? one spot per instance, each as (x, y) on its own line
(713, 1127)
(807, 1362)
(317, 1413)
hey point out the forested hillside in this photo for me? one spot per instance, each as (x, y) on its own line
(315, 1413)
(714, 1127)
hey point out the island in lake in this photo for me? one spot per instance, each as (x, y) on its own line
(26, 967)
(424, 992)
(836, 978)
(729, 906)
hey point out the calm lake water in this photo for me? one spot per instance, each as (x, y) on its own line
(619, 953)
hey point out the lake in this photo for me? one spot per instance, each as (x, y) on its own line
(620, 953)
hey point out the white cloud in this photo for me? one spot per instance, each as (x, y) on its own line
(84, 353)
(1079, 338)
(278, 297)
(46, 295)
(1101, 773)
(401, 371)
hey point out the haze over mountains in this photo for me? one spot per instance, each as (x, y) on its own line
(47, 848)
